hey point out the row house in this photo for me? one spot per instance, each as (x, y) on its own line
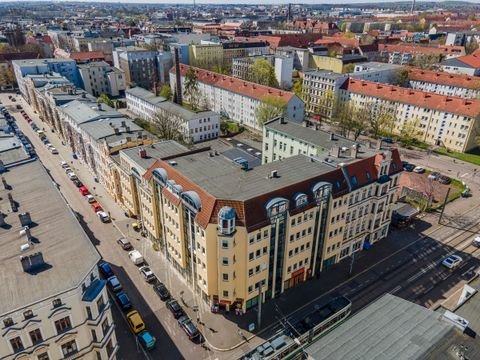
(435, 119)
(240, 237)
(402, 54)
(238, 99)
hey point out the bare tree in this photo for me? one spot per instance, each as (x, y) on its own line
(168, 127)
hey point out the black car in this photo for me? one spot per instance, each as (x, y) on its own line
(161, 291)
(189, 327)
(408, 167)
(444, 180)
(78, 183)
(175, 308)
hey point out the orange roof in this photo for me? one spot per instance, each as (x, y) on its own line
(295, 40)
(87, 55)
(451, 104)
(337, 39)
(416, 49)
(472, 60)
(235, 85)
(459, 80)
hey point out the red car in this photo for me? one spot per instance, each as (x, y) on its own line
(97, 207)
(83, 190)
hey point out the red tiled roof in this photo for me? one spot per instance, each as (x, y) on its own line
(451, 104)
(235, 85)
(87, 55)
(295, 40)
(18, 56)
(459, 80)
(337, 39)
(472, 60)
(416, 49)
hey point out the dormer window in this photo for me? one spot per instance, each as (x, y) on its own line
(226, 220)
(300, 199)
(354, 180)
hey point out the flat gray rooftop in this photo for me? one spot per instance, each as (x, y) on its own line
(389, 328)
(222, 178)
(57, 235)
(12, 150)
(154, 152)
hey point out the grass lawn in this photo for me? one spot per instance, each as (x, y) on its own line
(470, 158)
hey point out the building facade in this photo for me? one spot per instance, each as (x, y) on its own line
(435, 119)
(193, 126)
(242, 66)
(138, 64)
(100, 78)
(237, 99)
(238, 243)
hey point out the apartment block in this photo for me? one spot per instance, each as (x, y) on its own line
(301, 56)
(237, 99)
(254, 233)
(206, 55)
(468, 65)
(194, 126)
(403, 54)
(64, 67)
(377, 72)
(437, 119)
(53, 303)
(321, 90)
(442, 83)
(235, 49)
(242, 66)
(100, 78)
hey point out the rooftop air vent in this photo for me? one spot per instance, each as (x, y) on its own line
(32, 263)
(273, 174)
(173, 162)
(25, 219)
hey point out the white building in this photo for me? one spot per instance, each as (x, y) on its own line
(283, 71)
(376, 72)
(100, 78)
(193, 126)
(468, 65)
(435, 119)
(443, 83)
(53, 305)
(238, 99)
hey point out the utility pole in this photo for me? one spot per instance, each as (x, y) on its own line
(443, 206)
(259, 313)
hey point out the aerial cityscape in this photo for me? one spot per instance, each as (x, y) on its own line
(254, 180)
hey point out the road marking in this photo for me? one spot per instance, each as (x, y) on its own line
(393, 291)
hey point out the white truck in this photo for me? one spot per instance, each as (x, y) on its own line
(136, 257)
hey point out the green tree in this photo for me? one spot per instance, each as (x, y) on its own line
(400, 77)
(104, 98)
(342, 116)
(263, 73)
(409, 131)
(347, 69)
(166, 92)
(298, 88)
(221, 69)
(191, 88)
(270, 107)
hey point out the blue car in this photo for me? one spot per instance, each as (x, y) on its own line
(123, 300)
(105, 269)
(147, 340)
(114, 284)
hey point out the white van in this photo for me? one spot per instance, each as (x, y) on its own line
(136, 257)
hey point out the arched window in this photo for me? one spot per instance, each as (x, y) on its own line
(192, 199)
(226, 220)
(276, 205)
(300, 199)
(321, 190)
(160, 174)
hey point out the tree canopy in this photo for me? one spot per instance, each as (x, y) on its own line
(166, 92)
(270, 107)
(263, 73)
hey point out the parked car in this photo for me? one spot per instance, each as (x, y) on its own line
(387, 140)
(90, 198)
(443, 179)
(105, 269)
(125, 244)
(114, 284)
(189, 327)
(452, 261)
(146, 340)
(123, 300)
(408, 167)
(147, 273)
(136, 257)
(434, 175)
(476, 241)
(419, 170)
(103, 216)
(77, 183)
(96, 207)
(54, 151)
(84, 190)
(63, 164)
(135, 321)
(175, 308)
(161, 291)
(67, 169)
(71, 175)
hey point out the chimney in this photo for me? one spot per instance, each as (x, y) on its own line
(25, 219)
(123, 123)
(117, 131)
(143, 153)
(178, 81)
(2, 219)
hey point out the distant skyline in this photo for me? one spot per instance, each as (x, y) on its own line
(246, 2)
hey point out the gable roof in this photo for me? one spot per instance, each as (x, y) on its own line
(451, 104)
(472, 60)
(436, 77)
(235, 85)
